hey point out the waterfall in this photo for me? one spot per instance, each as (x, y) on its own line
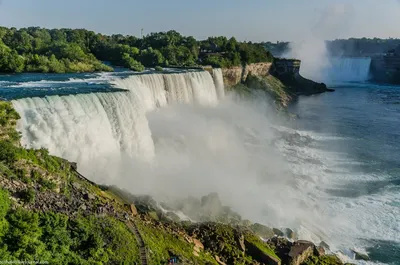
(98, 129)
(219, 82)
(350, 69)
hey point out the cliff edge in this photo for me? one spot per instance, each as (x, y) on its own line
(280, 79)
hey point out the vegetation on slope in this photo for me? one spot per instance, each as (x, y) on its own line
(35, 49)
(273, 86)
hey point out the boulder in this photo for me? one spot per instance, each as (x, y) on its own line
(319, 251)
(262, 230)
(133, 209)
(289, 233)
(324, 245)
(300, 252)
(76, 185)
(278, 232)
(259, 255)
(360, 256)
(198, 246)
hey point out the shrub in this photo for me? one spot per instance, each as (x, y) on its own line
(8, 152)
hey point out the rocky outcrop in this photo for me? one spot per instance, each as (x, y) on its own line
(232, 76)
(261, 256)
(280, 79)
(237, 74)
(300, 251)
(288, 72)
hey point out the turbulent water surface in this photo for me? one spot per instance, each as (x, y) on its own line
(333, 174)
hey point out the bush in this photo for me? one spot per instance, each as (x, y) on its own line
(159, 68)
(8, 152)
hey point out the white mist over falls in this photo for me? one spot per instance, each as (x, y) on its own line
(179, 135)
(318, 64)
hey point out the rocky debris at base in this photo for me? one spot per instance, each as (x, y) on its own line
(324, 245)
(265, 258)
(360, 256)
(295, 253)
(262, 231)
(289, 233)
(300, 251)
(278, 232)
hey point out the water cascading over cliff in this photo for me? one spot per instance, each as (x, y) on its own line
(103, 128)
(349, 69)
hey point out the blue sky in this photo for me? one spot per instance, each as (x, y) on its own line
(255, 20)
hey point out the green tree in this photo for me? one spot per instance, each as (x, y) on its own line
(151, 57)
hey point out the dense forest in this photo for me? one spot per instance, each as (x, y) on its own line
(36, 49)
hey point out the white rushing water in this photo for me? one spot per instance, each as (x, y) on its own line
(104, 127)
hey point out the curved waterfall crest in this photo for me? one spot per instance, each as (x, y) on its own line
(353, 69)
(105, 127)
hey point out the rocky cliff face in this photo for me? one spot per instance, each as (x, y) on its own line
(235, 75)
(280, 79)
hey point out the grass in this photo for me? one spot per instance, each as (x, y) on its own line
(260, 245)
(161, 243)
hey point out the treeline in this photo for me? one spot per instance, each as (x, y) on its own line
(35, 49)
(361, 46)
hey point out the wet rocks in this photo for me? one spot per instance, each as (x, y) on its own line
(324, 245)
(278, 232)
(262, 230)
(261, 256)
(289, 233)
(360, 256)
(300, 251)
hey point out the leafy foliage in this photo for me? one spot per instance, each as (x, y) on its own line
(35, 49)
(55, 238)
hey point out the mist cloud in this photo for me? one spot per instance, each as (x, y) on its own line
(334, 20)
